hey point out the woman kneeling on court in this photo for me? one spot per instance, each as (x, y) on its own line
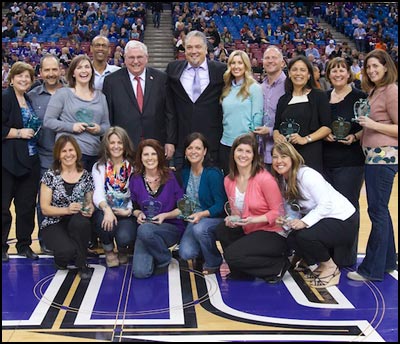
(328, 219)
(252, 243)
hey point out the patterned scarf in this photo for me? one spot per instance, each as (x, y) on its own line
(117, 179)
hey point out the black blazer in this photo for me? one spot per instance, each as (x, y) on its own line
(156, 121)
(15, 156)
(205, 115)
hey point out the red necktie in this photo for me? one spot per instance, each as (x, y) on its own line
(139, 93)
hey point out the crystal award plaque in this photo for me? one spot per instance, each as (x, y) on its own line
(233, 212)
(187, 206)
(85, 116)
(340, 128)
(289, 127)
(254, 117)
(117, 199)
(151, 208)
(35, 123)
(361, 108)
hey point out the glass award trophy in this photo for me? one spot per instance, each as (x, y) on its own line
(85, 116)
(83, 201)
(117, 199)
(340, 128)
(233, 212)
(253, 120)
(35, 123)
(289, 127)
(288, 211)
(151, 208)
(187, 206)
(361, 108)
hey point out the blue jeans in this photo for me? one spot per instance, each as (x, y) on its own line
(152, 247)
(200, 238)
(124, 232)
(381, 251)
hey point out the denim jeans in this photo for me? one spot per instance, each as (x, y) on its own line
(152, 247)
(124, 232)
(200, 239)
(381, 251)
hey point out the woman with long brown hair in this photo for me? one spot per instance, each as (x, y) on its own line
(154, 193)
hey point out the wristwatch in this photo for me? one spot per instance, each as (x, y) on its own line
(309, 139)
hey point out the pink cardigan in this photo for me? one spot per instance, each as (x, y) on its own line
(262, 197)
(384, 108)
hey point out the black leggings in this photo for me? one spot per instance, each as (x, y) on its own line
(68, 239)
(259, 254)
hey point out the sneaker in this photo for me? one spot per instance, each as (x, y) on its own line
(355, 276)
(111, 259)
(85, 272)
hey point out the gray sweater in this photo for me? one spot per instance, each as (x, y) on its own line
(61, 115)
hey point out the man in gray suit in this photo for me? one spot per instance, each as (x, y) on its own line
(137, 100)
(203, 113)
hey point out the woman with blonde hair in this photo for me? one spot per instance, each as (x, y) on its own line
(327, 219)
(242, 103)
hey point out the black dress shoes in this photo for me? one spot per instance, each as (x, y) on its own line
(28, 253)
(4, 256)
(46, 250)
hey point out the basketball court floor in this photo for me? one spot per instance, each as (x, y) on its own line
(41, 303)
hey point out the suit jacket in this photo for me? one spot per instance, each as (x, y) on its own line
(156, 120)
(15, 154)
(205, 115)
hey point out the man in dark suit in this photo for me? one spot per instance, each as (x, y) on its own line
(137, 100)
(202, 114)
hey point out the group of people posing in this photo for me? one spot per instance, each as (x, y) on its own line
(269, 170)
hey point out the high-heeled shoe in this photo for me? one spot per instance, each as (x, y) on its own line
(327, 281)
(310, 275)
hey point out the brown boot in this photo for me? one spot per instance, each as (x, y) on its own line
(111, 259)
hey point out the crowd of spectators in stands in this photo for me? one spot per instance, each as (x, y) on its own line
(30, 30)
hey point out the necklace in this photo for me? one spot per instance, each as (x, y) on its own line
(152, 186)
(151, 181)
(342, 95)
